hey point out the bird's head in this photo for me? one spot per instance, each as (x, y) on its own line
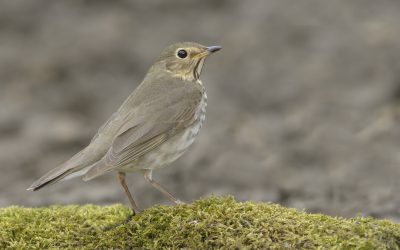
(185, 60)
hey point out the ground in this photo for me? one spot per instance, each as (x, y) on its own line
(211, 223)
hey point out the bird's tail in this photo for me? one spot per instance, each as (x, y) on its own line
(74, 167)
(51, 177)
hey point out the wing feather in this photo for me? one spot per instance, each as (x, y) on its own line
(161, 130)
(147, 131)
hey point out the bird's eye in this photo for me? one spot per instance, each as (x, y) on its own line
(182, 53)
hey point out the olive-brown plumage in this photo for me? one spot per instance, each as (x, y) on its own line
(153, 127)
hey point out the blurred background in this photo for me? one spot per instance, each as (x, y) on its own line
(303, 110)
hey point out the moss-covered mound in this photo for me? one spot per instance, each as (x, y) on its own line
(209, 223)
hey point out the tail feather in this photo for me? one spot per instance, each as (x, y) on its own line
(76, 166)
(50, 178)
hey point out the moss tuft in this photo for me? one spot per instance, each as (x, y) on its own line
(213, 222)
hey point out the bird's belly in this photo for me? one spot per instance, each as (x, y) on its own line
(171, 150)
(174, 147)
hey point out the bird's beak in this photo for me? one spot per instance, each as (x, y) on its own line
(208, 51)
(213, 49)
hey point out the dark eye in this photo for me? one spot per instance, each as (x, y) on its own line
(182, 53)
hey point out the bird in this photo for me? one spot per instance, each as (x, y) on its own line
(153, 127)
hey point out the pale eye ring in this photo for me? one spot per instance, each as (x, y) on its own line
(182, 53)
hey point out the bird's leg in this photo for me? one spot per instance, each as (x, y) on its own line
(148, 177)
(136, 210)
(121, 179)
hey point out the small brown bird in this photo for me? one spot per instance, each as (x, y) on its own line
(153, 127)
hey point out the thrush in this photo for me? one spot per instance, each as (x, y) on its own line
(153, 127)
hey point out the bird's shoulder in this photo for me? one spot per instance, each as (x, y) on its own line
(157, 98)
(163, 89)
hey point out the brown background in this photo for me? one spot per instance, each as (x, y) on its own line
(303, 99)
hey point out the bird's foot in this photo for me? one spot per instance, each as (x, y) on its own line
(126, 221)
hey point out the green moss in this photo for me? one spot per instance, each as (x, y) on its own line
(209, 223)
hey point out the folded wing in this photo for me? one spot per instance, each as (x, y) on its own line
(144, 132)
